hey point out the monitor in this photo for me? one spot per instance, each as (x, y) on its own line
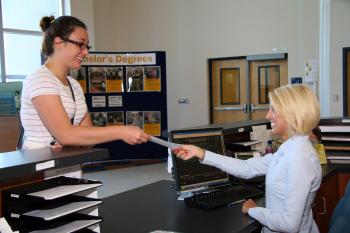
(191, 175)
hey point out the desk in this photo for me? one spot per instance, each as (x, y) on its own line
(26, 166)
(155, 207)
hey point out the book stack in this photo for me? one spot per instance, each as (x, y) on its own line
(335, 136)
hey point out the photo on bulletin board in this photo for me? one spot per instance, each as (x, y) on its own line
(114, 79)
(152, 123)
(97, 79)
(134, 78)
(152, 78)
(80, 76)
(99, 118)
(115, 118)
(134, 118)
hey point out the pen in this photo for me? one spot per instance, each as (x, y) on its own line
(236, 202)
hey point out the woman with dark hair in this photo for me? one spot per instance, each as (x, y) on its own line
(54, 110)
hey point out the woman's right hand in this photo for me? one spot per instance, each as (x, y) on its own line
(134, 135)
(186, 152)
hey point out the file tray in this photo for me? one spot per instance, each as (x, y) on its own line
(49, 210)
(52, 188)
(70, 223)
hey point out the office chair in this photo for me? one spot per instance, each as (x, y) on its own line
(339, 222)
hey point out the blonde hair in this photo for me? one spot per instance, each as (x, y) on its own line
(298, 105)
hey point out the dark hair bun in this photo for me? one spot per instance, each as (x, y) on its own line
(45, 22)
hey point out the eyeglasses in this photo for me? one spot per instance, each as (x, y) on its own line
(82, 46)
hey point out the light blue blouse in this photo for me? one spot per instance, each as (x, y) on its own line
(293, 176)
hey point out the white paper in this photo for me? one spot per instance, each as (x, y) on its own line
(311, 70)
(248, 143)
(259, 133)
(49, 214)
(335, 128)
(115, 101)
(70, 227)
(98, 101)
(60, 191)
(45, 165)
(4, 226)
(161, 142)
(70, 171)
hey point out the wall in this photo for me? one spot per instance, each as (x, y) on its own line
(83, 9)
(191, 31)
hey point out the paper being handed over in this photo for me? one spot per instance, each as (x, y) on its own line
(161, 142)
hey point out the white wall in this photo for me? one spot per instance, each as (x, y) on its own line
(191, 31)
(83, 10)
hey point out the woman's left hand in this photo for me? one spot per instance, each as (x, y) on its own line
(247, 205)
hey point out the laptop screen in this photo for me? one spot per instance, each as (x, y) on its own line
(191, 175)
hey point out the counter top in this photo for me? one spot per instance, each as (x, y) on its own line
(26, 162)
(330, 169)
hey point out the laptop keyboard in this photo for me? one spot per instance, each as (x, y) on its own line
(223, 196)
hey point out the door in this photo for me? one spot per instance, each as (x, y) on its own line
(346, 81)
(228, 96)
(265, 76)
(239, 86)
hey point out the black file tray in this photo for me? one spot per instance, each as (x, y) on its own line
(72, 223)
(52, 188)
(64, 198)
(49, 210)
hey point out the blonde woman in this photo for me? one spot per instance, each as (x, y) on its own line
(293, 173)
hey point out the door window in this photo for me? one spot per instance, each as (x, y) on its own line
(230, 86)
(268, 80)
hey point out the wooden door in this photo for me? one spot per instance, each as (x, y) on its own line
(265, 76)
(228, 90)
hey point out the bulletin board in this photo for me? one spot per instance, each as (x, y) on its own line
(127, 88)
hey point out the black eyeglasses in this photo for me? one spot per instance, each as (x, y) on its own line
(82, 46)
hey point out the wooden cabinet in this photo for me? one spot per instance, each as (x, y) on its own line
(327, 197)
(343, 181)
(325, 202)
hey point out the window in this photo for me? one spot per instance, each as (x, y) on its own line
(20, 35)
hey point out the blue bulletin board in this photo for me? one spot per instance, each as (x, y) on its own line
(124, 88)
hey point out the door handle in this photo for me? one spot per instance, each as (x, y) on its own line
(253, 108)
(324, 206)
(245, 108)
